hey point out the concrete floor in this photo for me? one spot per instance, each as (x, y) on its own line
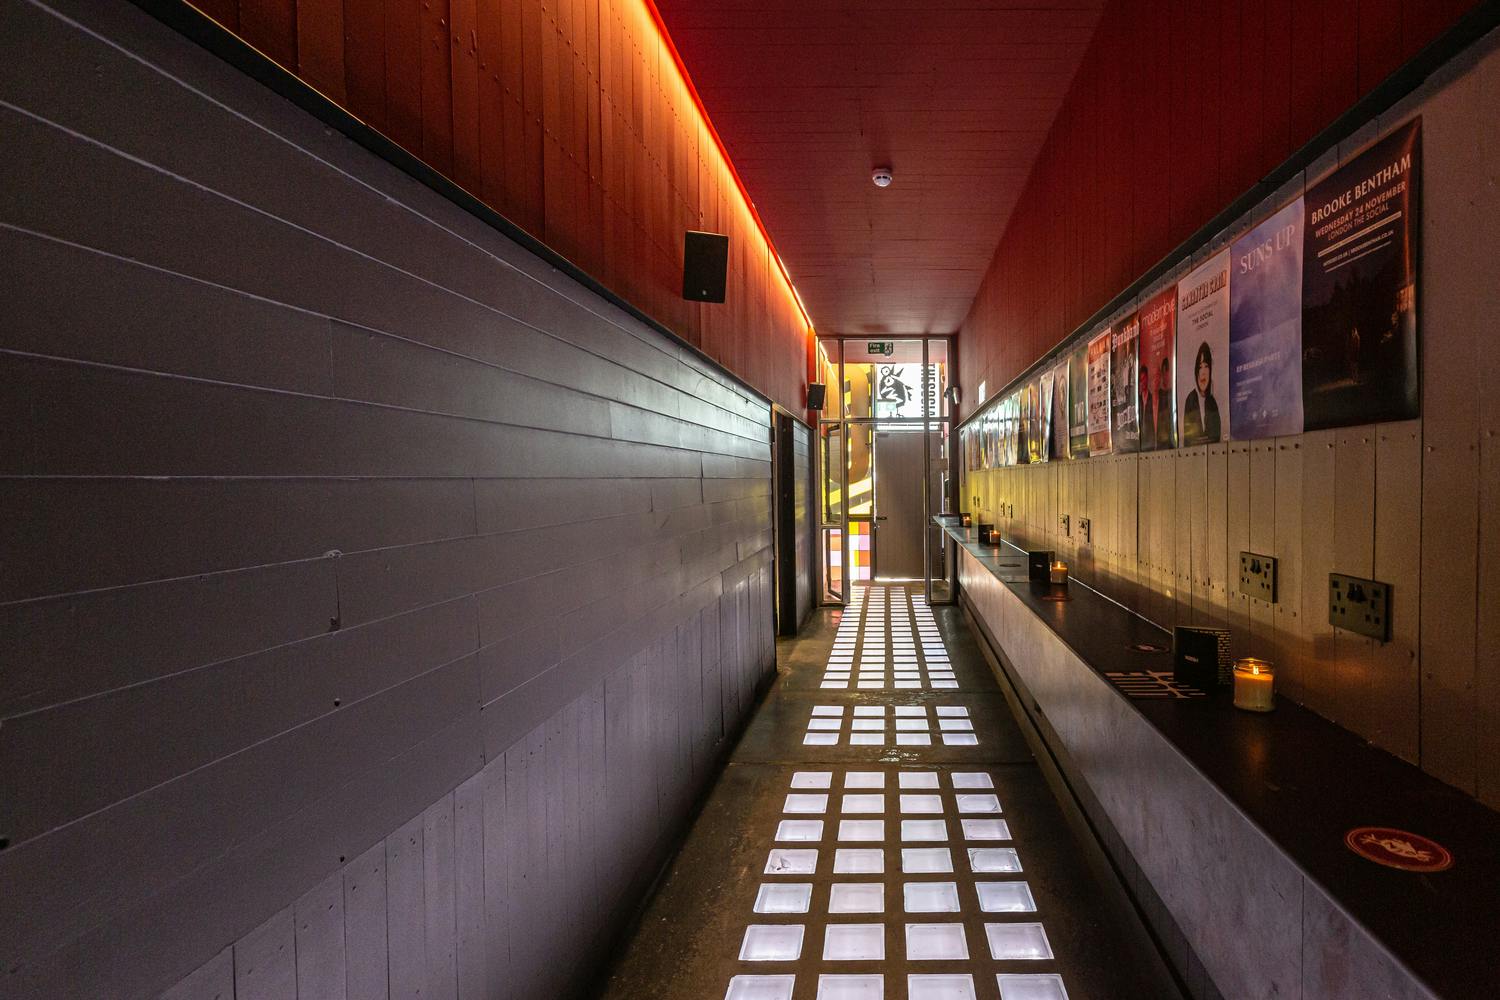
(874, 842)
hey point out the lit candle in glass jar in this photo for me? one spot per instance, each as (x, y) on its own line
(1060, 572)
(1254, 685)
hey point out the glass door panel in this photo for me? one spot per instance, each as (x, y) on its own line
(893, 387)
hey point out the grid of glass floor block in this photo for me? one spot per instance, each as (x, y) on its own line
(835, 891)
(898, 725)
(888, 638)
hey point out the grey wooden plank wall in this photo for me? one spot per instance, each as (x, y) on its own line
(375, 600)
(1416, 504)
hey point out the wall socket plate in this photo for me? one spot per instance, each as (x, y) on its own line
(1359, 605)
(1067, 526)
(1086, 529)
(1258, 576)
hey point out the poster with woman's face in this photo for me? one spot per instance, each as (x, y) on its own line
(1203, 353)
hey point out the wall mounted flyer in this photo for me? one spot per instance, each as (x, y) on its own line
(1203, 352)
(1265, 327)
(1098, 393)
(1046, 408)
(1124, 383)
(1158, 422)
(1359, 287)
(1060, 409)
(1078, 402)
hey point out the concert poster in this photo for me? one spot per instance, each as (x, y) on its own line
(991, 425)
(1011, 409)
(1023, 423)
(1359, 287)
(1154, 385)
(1203, 353)
(1060, 409)
(1098, 393)
(1124, 407)
(1078, 401)
(1265, 327)
(1036, 433)
(1045, 387)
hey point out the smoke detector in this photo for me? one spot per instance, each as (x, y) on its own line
(881, 176)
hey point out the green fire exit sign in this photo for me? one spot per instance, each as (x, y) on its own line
(885, 347)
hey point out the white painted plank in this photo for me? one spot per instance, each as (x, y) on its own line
(1354, 553)
(1290, 637)
(1237, 540)
(1319, 683)
(1395, 682)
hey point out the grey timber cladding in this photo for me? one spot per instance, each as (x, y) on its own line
(375, 600)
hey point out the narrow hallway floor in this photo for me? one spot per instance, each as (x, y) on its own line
(882, 831)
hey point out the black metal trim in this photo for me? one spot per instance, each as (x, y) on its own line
(209, 34)
(1470, 28)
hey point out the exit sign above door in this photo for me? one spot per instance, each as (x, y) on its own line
(885, 347)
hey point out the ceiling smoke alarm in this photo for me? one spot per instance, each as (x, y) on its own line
(881, 176)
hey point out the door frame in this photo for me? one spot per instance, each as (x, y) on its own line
(827, 596)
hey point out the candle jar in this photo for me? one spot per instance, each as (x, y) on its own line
(965, 519)
(1059, 573)
(985, 530)
(1254, 685)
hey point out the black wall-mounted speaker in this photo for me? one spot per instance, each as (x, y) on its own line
(705, 259)
(815, 394)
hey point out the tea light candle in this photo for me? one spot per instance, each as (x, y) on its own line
(1060, 572)
(1254, 685)
(966, 520)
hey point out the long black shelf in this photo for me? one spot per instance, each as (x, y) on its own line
(1305, 782)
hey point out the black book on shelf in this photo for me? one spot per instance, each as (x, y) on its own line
(1039, 565)
(1200, 656)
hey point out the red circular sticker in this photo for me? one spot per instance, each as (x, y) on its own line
(1410, 852)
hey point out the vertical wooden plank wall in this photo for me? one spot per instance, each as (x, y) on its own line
(377, 600)
(1146, 150)
(1408, 503)
(570, 118)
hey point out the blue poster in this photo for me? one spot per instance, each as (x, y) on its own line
(1265, 328)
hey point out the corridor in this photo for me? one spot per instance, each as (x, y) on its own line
(883, 831)
(749, 500)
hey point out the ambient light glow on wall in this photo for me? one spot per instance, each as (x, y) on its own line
(1307, 320)
(726, 164)
(579, 126)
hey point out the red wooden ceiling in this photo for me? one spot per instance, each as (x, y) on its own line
(954, 95)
